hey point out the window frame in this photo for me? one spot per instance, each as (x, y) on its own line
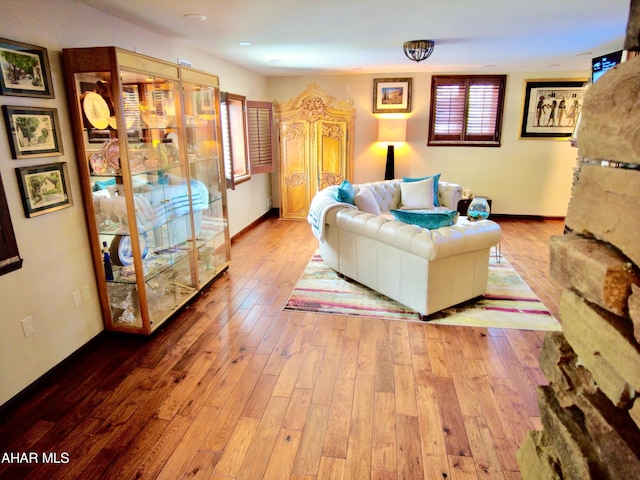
(464, 137)
(233, 140)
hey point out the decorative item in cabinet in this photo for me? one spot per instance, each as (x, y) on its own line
(147, 141)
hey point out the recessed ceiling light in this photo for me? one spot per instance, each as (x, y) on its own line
(245, 44)
(196, 17)
(275, 60)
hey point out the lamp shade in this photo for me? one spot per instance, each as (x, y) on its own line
(392, 130)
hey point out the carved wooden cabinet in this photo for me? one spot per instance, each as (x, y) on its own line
(316, 149)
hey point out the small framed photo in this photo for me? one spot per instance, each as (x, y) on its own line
(33, 131)
(24, 70)
(551, 107)
(205, 101)
(392, 95)
(44, 188)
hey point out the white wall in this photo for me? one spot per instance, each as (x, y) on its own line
(55, 246)
(523, 177)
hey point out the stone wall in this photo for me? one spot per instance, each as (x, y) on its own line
(590, 410)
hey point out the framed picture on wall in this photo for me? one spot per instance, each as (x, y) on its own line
(44, 188)
(392, 95)
(9, 256)
(33, 131)
(24, 70)
(551, 107)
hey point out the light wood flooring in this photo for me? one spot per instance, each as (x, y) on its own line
(237, 388)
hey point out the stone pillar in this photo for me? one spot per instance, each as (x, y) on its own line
(590, 412)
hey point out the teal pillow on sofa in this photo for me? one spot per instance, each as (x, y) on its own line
(345, 192)
(435, 177)
(430, 219)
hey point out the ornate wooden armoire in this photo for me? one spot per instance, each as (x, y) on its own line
(315, 133)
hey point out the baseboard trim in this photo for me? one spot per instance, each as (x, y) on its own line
(508, 216)
(49, 375)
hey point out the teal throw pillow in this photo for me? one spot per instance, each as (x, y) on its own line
(345, 192)
(430, 219)
(435, 177)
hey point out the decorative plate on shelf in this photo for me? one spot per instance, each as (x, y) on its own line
(111, 152)
(121, 251)
(96, 109)
(98, 163)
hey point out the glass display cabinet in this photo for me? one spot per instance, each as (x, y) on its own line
(147, 140)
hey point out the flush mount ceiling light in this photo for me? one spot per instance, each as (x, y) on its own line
(418, 50)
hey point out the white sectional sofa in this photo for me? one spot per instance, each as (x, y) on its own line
(426, 270)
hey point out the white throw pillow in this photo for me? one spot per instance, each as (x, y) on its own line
(366, 202)
(417, 195)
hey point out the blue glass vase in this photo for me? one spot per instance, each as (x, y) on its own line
(478, 209)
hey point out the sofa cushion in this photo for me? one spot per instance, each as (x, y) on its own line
(436, 179)
(366, 202)
(417, 195)
(345, 192)
(430, 219)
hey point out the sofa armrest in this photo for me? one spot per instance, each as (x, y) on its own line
(449, 194)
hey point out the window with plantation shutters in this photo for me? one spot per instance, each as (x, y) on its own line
(234, 139)
(466, 110)
(259, 121)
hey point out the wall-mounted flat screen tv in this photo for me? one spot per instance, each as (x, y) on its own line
(601, 64)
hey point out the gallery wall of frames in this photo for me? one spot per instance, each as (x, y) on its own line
(33, 133)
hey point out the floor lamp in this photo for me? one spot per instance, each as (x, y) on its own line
(391, 131)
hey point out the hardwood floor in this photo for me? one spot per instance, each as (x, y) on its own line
(237, 388)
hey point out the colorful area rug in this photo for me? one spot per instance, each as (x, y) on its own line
(508, 303)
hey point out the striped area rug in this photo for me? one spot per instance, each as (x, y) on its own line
(508, 303)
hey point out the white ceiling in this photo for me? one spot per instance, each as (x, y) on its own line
(297, 37)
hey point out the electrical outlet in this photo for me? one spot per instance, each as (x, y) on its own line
(28, 327)
(86, 293)
(77, 298)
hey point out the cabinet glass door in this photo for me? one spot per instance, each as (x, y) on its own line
(161, 192)
(139, 177)
(201, 120)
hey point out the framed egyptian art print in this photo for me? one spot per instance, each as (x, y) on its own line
(551, 107)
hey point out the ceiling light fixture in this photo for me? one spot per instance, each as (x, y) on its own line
(418, 50)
